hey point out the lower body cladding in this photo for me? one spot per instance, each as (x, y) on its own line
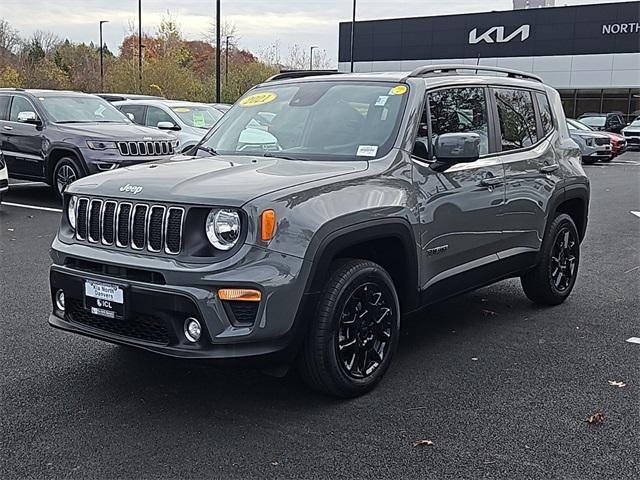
(154, 305)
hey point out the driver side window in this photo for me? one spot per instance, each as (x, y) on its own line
(19, 104)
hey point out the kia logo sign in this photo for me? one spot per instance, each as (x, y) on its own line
(496, 35)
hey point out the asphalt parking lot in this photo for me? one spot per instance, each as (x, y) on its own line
(501, 388)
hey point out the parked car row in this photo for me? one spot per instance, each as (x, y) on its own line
(59, 136)
(597, 144)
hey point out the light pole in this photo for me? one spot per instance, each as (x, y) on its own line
(353, 28)
(217, 51)
(102, 56)
(311, 56)
(139, 46)
(226, 60)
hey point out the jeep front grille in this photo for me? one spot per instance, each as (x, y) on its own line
(156, 148)
(139, 226)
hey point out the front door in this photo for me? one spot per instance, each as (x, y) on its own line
(461, 208)
(22, 142)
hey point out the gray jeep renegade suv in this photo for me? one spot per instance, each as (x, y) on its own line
(320, 209)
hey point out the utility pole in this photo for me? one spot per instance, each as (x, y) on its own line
(226, 61)
(353, 29)
(139, 46)
(217, 51)
(311, 57)
(102, 57)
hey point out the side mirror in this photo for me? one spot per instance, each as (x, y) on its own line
(452, 148)
(28, 117)
(167, 126)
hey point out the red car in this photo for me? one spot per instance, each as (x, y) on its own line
(618, 143)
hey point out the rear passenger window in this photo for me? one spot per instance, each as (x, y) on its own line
(137, 111)
(4, 106)
(545, 112)
(459, 110)
(517, 118)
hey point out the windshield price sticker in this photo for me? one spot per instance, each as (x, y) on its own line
(398, 90)
(367, 151)
(198, 119)
(382, 100)
(258, 99)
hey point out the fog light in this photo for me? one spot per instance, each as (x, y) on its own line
(192, 329)
(60, 300)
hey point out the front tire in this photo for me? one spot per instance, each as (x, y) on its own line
(65, 172)
(552, 280)
(355, 330)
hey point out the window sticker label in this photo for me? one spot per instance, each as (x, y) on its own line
(258, 99)
(182, 110)
(398, 90)
(198, 119)
(367, 151)
(382, 100)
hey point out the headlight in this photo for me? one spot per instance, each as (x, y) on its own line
(589, 141)
(223, 228)
(71, 211)
(100, 145)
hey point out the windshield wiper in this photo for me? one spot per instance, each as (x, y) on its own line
(278, 155)
(74, 121)
(209, 150)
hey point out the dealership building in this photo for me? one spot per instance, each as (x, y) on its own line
(590, 53)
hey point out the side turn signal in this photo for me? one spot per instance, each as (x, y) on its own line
(240, 294)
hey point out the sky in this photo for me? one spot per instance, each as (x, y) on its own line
(259, 23)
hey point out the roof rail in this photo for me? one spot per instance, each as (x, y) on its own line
(12, 89)
(300, 74)
(448, 69)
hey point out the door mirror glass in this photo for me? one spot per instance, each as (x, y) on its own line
(457, 147)
(28, 117)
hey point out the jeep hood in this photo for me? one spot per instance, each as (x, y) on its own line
(112, 131)
(219, 180)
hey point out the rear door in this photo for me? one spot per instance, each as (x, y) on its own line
(22, 142)
(527, 139)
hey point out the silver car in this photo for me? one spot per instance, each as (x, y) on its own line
(632, 134)
(593, 145)
(189, 120)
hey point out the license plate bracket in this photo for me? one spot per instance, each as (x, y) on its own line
(104, 299)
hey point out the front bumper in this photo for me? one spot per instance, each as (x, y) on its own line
(156, 306)
(104, 160)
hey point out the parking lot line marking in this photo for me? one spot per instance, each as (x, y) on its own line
(33, 207)
(637, 214)
(634, 340)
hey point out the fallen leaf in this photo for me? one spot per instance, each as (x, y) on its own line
(596, 418)
(617, 384)
(10, 229)
(475, 359)
(489, 313)
(275, 464)
(420, 443)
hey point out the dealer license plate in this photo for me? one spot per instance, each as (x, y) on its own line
(104, 299)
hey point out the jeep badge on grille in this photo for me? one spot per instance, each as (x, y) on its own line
(128, 188)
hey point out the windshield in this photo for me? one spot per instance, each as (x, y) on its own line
(594, 121)
(322, 120)
(576, 125)
(199, 116)
(81, 109)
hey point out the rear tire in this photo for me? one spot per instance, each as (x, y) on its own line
(588, 161)
(65, 172)
(552, 280)
(355, 330)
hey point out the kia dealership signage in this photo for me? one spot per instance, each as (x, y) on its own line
(606, 28)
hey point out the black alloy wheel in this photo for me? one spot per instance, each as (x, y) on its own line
(66, 172)
(364, 334)
(563, 260)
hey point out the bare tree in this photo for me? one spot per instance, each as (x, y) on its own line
(226, 29)
(49, 41)
(9, 37)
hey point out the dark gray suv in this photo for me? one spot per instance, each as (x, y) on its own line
(321, 209)
(57, 136)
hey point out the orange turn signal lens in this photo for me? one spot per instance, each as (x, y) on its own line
(267, 225)
(240, 294)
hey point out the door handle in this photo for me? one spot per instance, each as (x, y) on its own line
(492, 181)
(549, 168)
(7, 127)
